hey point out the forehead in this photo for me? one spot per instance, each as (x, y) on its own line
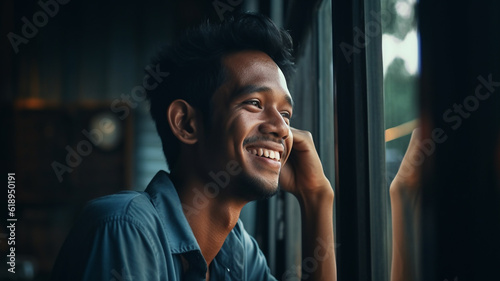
(250, 71)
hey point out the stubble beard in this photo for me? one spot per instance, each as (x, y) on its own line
(252, 188)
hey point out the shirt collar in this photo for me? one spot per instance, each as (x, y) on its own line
(181, 238)
(230, 256)
(166, 201)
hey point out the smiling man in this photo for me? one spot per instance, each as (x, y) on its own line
(223, 115)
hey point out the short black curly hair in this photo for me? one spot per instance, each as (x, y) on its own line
(196, 71)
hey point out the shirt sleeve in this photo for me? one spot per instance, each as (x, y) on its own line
(110, 248)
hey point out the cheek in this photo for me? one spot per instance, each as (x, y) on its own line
(241, 125)
(235, 130)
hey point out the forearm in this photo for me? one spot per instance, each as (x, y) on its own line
(318, 250)
(405, 209)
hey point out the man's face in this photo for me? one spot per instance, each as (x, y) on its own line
(251, 124)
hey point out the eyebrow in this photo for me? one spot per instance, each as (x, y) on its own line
(248, 89)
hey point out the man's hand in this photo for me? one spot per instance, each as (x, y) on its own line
(406, 184)
(303, 176)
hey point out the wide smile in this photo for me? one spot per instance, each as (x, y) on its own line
(266, 156)
(265, 152)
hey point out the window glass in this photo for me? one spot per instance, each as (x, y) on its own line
(326, 140)
(400, 58)
(325, 88)
(400, 63)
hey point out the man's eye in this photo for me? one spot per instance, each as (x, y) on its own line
(286, 115)
(253, 102)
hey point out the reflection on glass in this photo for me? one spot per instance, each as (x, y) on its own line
(400, 62)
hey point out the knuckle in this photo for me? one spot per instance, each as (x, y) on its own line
(308, 135)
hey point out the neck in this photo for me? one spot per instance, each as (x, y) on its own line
(210, 217)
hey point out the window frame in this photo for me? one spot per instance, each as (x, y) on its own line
(362, 223)
(356, 155)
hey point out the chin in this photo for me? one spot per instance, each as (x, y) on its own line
(255, 188)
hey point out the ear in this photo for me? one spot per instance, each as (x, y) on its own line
(182, 120)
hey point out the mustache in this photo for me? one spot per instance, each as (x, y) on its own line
(263, 138)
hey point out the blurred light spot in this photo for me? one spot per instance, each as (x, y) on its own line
(406, 49)
(107, 125)
(400, 130)
(403, 9)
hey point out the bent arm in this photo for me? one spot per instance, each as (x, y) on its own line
(404, 225)
(405, 206)
(318, 251)
(303, 176)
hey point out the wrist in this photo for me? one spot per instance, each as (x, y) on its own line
(317, 199)
(404, 194)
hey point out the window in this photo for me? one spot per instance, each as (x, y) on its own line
(400, 62)
(349, 90)
(400, 75)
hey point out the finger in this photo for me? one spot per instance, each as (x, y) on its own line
(301, 139)
(409, 170)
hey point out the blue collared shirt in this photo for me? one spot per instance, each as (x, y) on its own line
(145, 236)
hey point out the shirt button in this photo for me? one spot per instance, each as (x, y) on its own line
(228, 270)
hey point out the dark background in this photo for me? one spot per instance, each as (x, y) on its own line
(73, 64)
(80, 59)
(89, 53)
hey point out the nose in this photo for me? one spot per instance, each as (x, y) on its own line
(274, 124)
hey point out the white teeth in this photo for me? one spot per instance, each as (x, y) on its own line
(271, 154)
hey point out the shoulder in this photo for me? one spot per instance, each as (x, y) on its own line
(119, 231)
(119, 203)
(112, 221)
(129, 207)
